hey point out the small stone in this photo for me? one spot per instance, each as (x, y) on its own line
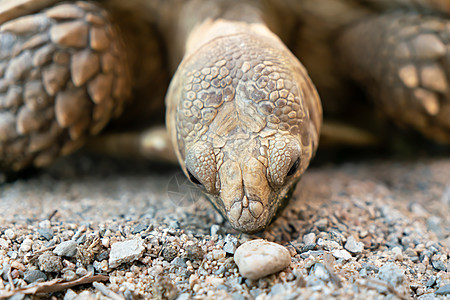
(46, 233)
(179, 262)
(218, 254)
(344, 254)
(10, 234)
(443, 290)
(169, 253)
(69, 275)
(309, 239)
(353, 246)
(34, 275)
(26, 245)
(124, 252)
(214, 229)
(45, 224)
(48, 262)
(3, 243)
(70, 295)
(327, 244)
(194, 252)
(439, 265)
(398, 253)
(391, 274)
(81, 271)
(67, 248)
(259, 258)
(230, 245)
(139, 228)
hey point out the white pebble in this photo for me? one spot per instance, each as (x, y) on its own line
(123, 252)
(344, 254)
(10, 234)
(259, 258)
(26, 245)
(218, 254)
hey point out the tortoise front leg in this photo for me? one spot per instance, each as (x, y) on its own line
(403, 59)
(64, 72)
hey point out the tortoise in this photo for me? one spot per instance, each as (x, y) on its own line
(243, 116)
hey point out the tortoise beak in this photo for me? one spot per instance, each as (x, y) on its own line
(248, 215)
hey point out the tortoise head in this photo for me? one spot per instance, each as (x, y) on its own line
(244, 120)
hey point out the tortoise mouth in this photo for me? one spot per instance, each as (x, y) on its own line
(248, 215)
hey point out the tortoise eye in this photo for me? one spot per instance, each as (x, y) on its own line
(193, 179)
(293, 168)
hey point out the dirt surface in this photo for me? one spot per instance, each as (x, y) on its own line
(363, 230)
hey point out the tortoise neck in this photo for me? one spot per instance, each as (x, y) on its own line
(200, 21)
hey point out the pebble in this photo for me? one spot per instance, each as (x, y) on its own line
(328, 245)
(230, 244)
(353, 246)
(193, 252)
(139, 228)
(398, 253)
(69, 275)
(48, 262)
(259, 258)
(124, 252)
(344, 254)
(3, 243)
(443, 290)
(179, 262)
(67, 248)
(10, 234)
(214, 229)
(34, 275)
(391, 274)
(26, 245)
(46, 233)
(169, 253)
(309, 239)
(218, 254)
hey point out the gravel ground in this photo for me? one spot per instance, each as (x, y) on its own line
(362, 230)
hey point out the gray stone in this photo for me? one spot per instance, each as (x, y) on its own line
(139, 228)
(34, 275)
(309, 239)
(67, 248)
(391, 274)
(443, 290)
(46, 233)
(259, 258)
(353, 246)
(124, 252)
(179, 262)
(230, 244)
(214, 229)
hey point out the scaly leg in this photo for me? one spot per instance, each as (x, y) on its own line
(64, 72)
(403, 59)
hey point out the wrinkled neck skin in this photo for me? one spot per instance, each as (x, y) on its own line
(243, 116)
